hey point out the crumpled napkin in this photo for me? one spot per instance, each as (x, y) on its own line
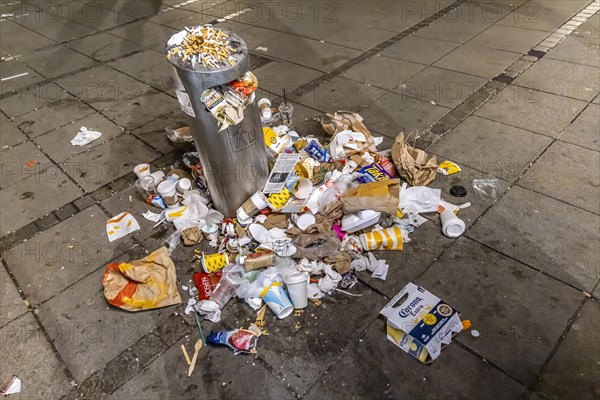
(209, 309)
(85, 136)
(379, 268)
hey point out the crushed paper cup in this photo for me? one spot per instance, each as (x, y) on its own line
(121, 225)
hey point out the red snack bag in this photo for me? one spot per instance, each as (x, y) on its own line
(206, 283)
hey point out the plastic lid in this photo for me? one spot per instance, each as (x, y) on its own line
(458, 191)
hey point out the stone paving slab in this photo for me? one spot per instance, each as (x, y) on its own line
(105, 163)
(12, 303)
(275, 76)
(490, 289)
(383, 72)
(29, 41)
(11, 135)
(32, 195)
(20, 162)
(153, 133)
(31, 98)
(577, 49)
(394, 113)
(523, 224)
(57, 144)
(532, 15)
(52, 116)
(562, 78)
(145, 33)
(375, 366)
(56, 61)
(332, 94)
(532, 110)
(584, 130)
(142, 109)
(508, 38)
(558, 174)
(477, 61)
(308, 52)
(150, 67)
(448, 29)
(217, 375)
(491, 147)
(56, 27)
(443, 87)
(16, 76)
(80, 322)
(419, 49)
(103, 46)
(50, 262)
(25, 352)
(567, 376)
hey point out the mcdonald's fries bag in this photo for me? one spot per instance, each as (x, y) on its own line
(382, 239)
(142, 284)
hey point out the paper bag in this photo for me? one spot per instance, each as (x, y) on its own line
(142, 284)
(412, 163)
(377, 196)
(348, 120)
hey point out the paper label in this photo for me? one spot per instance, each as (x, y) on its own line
(186, 104)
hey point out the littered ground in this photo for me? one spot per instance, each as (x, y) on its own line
(508, 89)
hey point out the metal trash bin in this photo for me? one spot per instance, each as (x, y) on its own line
(235, 159)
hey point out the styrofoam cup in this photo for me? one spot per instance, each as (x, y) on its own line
(303, 188)
(297, 288)
(142, 170)
(303, 220)
(452, 226)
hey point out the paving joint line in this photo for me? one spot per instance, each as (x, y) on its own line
(378, 48)
(33, 312)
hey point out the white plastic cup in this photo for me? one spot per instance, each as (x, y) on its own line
(142, 170)
(297, 288)
(184, 185)
(304, 220)
(452, 226)
(168, 192)
(158, 177)
(265, 108)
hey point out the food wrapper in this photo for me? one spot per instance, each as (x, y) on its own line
(448, 168)
(121, 225)
(373, 173)
(238, 340)
(377, 196)
(206, 283)
(412, 163)
(144, 284)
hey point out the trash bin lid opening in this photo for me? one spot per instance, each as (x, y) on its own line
(206, 49)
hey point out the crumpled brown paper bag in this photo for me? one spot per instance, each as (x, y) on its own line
(142, 284)
(191, 236)
(316, 246)
(348, 120)
(412, 163)
(377, 196)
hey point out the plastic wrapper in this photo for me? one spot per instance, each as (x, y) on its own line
(238, 340)
(487, 189)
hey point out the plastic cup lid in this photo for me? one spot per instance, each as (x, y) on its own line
(295, 277)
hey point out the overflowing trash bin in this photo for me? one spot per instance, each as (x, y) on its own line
(218, 97)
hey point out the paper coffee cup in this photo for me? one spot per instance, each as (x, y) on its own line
(142, 170)
(252, 206)
(277, 299)
(296, 283)
(265, 108)
(452, 226)
(214, 262)
(382, 239)
(183, 185)
(168, 192)
(303, 188)
(303, 220)
(259, 260)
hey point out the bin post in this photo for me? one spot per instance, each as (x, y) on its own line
(234, 160)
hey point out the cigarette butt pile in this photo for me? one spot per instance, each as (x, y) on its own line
(205, 45)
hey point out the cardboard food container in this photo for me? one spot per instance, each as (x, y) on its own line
(420, 323)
